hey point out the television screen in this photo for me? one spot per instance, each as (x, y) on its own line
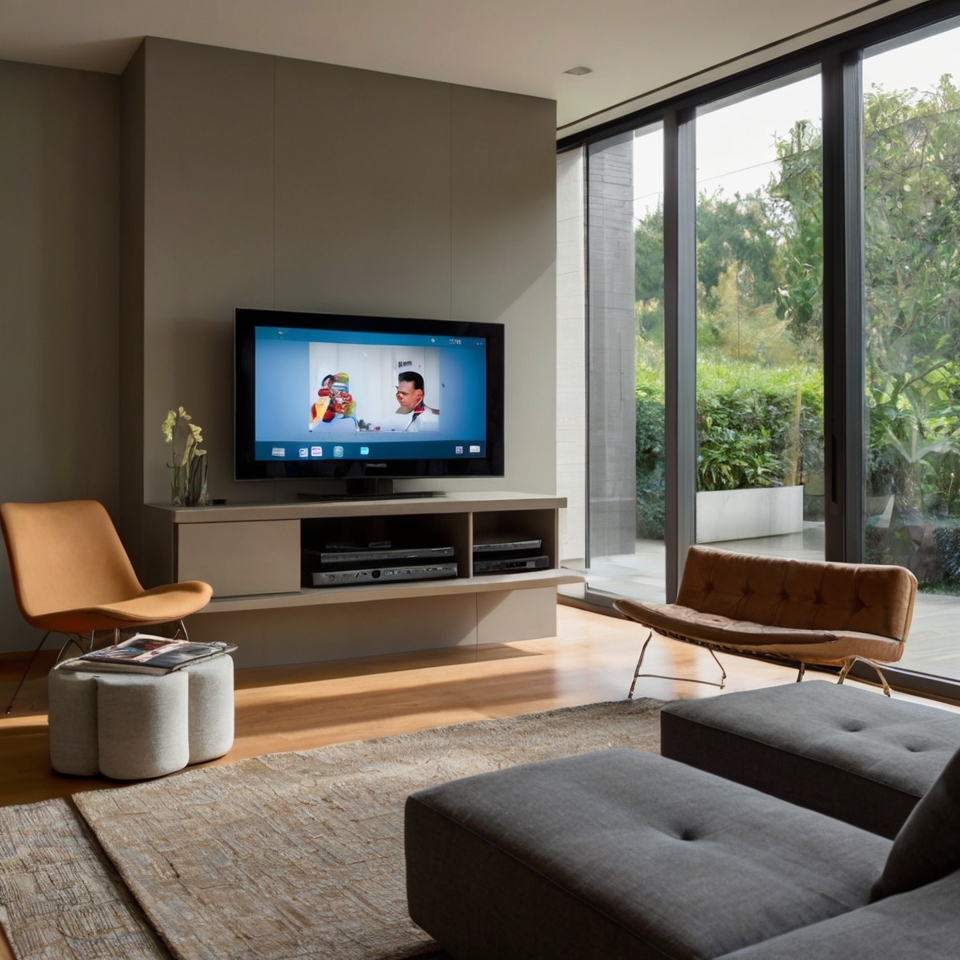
(328, 395)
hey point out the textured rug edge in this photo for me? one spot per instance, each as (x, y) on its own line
(113, 852)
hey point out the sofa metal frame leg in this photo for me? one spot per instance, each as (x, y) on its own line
(660, 676)
(876, 666)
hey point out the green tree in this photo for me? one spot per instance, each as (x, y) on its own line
(648, 275)
(795, 209)
(734, 232)
(912, 266)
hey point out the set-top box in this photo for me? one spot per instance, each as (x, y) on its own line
(349, 565)
(396, 573)
(338, 559)
(508, 554)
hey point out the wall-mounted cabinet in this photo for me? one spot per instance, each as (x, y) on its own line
(251, 555)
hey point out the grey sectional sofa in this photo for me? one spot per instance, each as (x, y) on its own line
(623, 854)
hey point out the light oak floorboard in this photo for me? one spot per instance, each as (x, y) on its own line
(591, 659)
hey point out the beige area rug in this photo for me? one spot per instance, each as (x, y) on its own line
(291, 855)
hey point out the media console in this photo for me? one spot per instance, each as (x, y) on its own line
(251, 555)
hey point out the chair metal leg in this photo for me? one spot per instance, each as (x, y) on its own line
(181, 628)
(801, 671)
(636, 673)
(27, 671)
(77, 640)
(660, 676)
(876, 666)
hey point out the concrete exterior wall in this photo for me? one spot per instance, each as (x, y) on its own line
(571, 355)
(611, 429)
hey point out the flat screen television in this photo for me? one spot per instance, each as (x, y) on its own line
(366, 399)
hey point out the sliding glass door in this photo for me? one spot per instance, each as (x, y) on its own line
(624, 395)
(771, 324)
(759, 405)
(911, 198)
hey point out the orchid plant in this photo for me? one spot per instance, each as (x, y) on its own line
(188, 469)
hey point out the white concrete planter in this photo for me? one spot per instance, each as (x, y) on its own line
(745, 514)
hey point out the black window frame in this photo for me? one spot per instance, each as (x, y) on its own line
(838, 61)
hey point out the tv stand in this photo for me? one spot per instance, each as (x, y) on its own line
(251, 555)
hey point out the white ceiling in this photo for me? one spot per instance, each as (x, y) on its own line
(634, 47)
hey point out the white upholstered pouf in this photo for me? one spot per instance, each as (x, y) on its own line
(135, 726)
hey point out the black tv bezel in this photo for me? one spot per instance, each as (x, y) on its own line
(246, 467)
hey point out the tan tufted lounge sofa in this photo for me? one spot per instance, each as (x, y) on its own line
(803, 611)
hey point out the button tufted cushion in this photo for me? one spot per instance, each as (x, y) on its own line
(799, 594)
(798, 610)
(849, 753)
(920, 925)
(622, 854)
(791, 643)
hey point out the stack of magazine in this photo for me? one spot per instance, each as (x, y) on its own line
(144, 653)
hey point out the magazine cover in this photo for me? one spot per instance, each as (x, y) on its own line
(159, 654)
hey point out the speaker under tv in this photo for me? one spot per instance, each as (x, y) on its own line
(366, 400)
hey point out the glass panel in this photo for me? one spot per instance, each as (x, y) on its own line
(912, 336)
(650, 551)
(624, 549)
(759, 322)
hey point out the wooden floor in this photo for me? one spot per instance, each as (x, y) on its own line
(298, 707)
(591, 659)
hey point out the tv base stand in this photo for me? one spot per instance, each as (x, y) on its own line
(359, 497)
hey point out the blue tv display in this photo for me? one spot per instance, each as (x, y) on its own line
(360, 398)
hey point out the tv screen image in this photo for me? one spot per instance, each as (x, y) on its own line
(331, 395)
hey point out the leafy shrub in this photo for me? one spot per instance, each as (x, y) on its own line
(757, 427)
(651, 504)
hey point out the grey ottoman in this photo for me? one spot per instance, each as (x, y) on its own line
(622, 854)
(848, 753)
(136, 726)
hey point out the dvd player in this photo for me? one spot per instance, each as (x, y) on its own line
(393, 573)
(510, 564)
(365, 557)
(505, 546)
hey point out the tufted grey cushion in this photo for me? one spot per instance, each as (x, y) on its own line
(849, 753)
(920, 925)
(928, 846)
(622, 854)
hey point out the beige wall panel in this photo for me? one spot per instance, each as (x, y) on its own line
(238, 559)
(59, 282)
(362, 192)
(132, 118)
(516, 615)
(504, 261)
(208, 248)
(334, 632)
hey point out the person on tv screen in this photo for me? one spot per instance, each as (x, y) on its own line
(415, 413)
(335, 400)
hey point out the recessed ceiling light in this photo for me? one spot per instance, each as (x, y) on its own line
(578, 71)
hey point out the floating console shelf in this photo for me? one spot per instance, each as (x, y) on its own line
(251, 555)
